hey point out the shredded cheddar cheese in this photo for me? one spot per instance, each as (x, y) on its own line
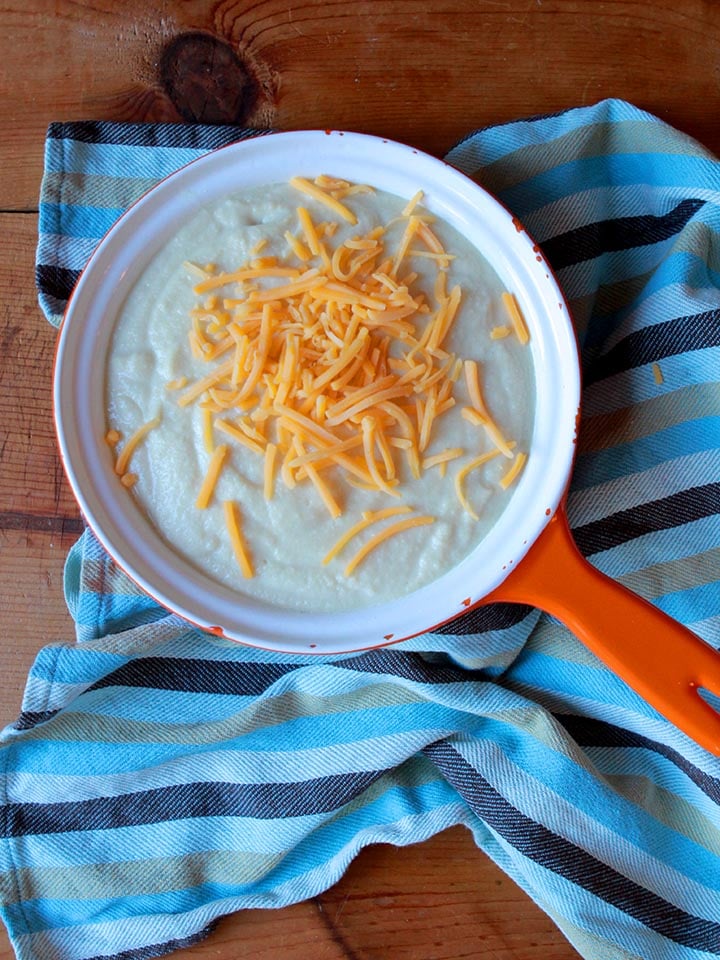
(269, 470)
(232, 521)
(441, 458)
(513, 471)
(500, 332)
(311, 357)
(123, 461)
(516, 317)
(317, 193)
(211, 477)
(385, 534)
(333, 366)
(208, 437)
(462, 474)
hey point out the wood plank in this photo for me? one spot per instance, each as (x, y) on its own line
(423, 71)
(33, 611)
(456, 902)
(32, 482)
(39, 519)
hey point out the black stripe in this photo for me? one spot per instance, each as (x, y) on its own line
(673, 511)
(196, 676)
(622, 233)
(183, 135)
(160, 949)
(666, 339)
(253, 679)
(538, 843)
(55, 282)
(409, 666)
(587, 733)
(264, 801)
(31, 718)
(495, 616)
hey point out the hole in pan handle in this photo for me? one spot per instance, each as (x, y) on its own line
(662, 660)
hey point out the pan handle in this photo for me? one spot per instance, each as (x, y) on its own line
(662, 660)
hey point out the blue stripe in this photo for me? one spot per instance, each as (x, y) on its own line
(82, 222)
(680, 440)
(695, 603)
(640, 762)
(506, 138)
(604, 396)
(596, 684)
(138, 162)
(624, 169)
(103, 758)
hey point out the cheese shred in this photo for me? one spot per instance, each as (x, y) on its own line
(123, 461)
(232, 522)
(514, 470)
(383, 535)
(211, 477)
(462, 474)
(516, 317)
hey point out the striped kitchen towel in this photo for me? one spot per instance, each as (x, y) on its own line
(159, 778)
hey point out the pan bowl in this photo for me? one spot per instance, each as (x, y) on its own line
(119, 260)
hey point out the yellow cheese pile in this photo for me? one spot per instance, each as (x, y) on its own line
(331, 366)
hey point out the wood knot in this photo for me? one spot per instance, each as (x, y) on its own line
(206, 80)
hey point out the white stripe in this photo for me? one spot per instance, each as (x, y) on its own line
(602, 203)
(708, 630)
(58, 250)
(663, 480)
(673, 300)
(235, 766)
(623, 391)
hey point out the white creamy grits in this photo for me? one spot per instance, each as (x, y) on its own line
(289, 535)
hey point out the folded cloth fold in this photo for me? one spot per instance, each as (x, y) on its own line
(159, 778)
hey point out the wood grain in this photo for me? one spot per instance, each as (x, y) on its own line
(32, 482)
(39, 519)
(423, 71)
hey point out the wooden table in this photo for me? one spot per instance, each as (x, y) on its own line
(422, 71)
